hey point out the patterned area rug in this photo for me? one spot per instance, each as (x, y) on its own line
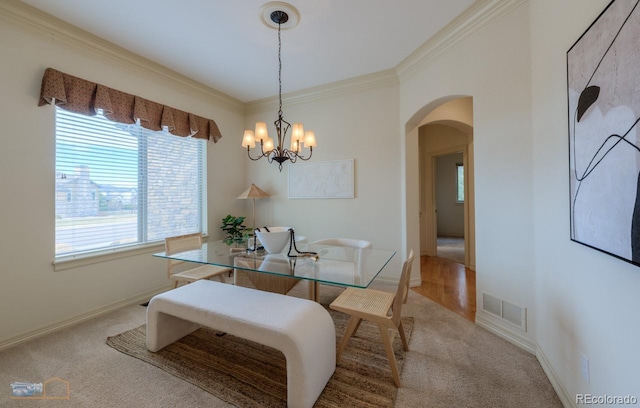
(247, 374)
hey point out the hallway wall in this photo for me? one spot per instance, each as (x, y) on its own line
(450, 211)
(434, 139)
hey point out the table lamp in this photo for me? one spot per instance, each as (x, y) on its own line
(253, 192)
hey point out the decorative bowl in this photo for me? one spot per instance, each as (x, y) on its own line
(275, 240)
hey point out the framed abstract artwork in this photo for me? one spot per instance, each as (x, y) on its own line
(323, 179)
(603, 81)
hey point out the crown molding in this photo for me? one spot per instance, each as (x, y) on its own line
(56, 31)
(346, 86)
(49, 28)
(477, 16)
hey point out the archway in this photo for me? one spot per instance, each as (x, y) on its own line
(440, 128)
(454, 113)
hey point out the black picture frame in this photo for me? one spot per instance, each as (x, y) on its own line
(603, 92)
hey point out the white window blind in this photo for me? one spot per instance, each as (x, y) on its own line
(122, 185)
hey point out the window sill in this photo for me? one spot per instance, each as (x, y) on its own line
(79, 260)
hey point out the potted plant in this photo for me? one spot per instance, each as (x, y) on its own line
(235, 230)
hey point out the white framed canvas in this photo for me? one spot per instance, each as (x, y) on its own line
(324, 179)
(604, 139)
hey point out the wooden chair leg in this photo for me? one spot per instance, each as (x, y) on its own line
(384, 332)
(405, 344)
(352, 327)
(175, 284)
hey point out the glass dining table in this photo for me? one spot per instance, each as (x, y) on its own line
(335, 265)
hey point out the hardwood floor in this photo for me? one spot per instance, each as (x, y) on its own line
(449, 284)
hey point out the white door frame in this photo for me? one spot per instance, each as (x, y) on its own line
(429, 217)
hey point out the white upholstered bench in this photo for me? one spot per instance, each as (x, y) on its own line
(301, 329)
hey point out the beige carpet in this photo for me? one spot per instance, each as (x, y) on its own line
(247, 374)
(451, 363)
(451, 248)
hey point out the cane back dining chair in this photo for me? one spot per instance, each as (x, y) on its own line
(381, 308)
(184, 243)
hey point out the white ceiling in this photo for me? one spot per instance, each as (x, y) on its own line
(223, 43)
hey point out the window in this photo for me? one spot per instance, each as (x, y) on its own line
(460, 182)
(149, 185)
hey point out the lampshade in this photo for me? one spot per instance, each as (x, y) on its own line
(261, 131)
(253, 192)
(297, 133)
(310, 139)
(268, 144)
(249, 139)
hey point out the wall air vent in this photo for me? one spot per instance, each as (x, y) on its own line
(506, 311)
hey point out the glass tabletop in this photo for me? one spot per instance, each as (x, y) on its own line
(337, 265)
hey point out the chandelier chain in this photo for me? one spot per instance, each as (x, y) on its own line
(279, 153)
(279, 70)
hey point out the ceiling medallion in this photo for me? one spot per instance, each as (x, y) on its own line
(266, 11)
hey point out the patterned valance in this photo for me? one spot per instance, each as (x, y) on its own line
(88, 98)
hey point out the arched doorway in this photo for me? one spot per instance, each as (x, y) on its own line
(441, 128)
(446, 128)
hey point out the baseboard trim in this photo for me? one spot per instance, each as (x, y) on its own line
(33, 334)
(564, 396)
(413, 283)
(500, 329)
(388, 279)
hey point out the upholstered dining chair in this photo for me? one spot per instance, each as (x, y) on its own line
(346, 242)
(184, 243)
(314, 292)
(381, 308)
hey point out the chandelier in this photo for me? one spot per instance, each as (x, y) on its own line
(299, 138)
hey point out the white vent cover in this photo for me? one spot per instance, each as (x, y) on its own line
(507, 311)
(491, 304)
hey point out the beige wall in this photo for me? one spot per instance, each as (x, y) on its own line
(587, 301)
(493, 67)
(32, 295)
(359, 125)
(578, 300)
(450, 212)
